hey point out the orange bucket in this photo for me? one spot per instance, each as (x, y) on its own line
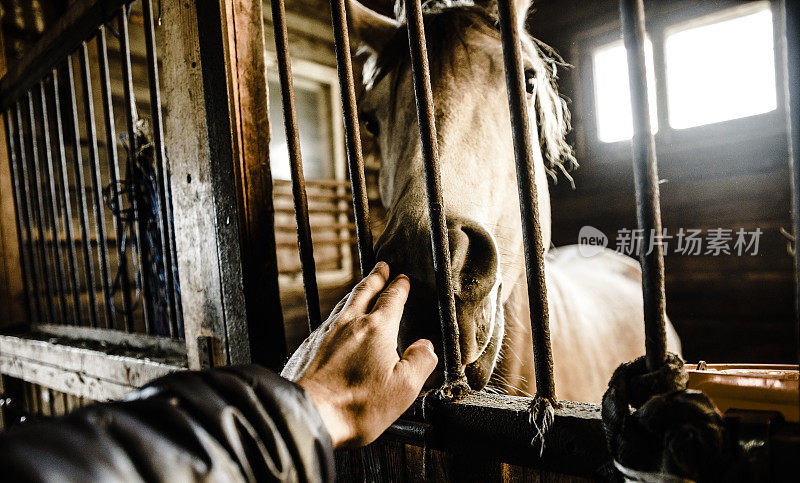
(767, 387)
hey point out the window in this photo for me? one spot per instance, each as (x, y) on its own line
(612, 92)
(316, 101)
(721, 70)
(715, 68)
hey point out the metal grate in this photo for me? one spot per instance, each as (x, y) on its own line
(93, 206)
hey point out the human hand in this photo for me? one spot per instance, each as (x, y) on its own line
(350, 368)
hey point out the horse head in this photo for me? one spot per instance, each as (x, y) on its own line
(476, 159)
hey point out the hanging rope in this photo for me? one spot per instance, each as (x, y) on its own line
(141, 185)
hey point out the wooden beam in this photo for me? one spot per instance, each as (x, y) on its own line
(249, 113)
(201, 158)
(79, 371)
(12, 304)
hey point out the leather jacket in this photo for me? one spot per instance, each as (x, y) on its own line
(227, 424)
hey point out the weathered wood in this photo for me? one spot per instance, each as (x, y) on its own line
(174, 347)
(203, 181)
(76, 370)
(11, 286)
(248, 101)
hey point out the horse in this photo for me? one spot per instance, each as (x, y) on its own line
(595, 303)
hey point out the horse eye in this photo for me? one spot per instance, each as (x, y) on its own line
(371, 123)
(530, 80)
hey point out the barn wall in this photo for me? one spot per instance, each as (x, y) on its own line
(726, 308)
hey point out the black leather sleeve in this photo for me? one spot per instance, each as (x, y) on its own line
(229, 424)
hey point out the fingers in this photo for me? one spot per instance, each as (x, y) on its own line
(389, 306)
(368, 288)
(418, 362)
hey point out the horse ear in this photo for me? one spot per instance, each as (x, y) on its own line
(368, 27)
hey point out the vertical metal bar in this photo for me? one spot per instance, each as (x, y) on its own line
(164, 193)
(791, 86)
(645, 170)
(66, 202)
(80, 188)
(454, 371)
(53, 206)
(36, 292)
(523, 132)
(40, 207)
(140, 226)
(355, 161)
(97, 184)
(296, 164)
(113, 171)
(19, 210)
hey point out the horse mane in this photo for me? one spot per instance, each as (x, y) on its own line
(446, 21)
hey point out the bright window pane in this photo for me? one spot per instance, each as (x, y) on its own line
(312, 103)
(722, 70)
(613, 92)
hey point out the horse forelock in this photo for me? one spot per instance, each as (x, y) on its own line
(446, 23)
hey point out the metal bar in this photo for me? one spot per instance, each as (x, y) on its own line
(453, 369)
(140, 226)
(523, 131)
(97, 184)
(80, 188)
(77, 24)
(40, 207)
(113, 172)
(162, 170)
(53, 205)
(645, 170)
(296, 165)
(791, 49)
(355, 160)
(19, 210)
(28, 215)
(66, 203)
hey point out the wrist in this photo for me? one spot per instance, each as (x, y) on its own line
(332, 414)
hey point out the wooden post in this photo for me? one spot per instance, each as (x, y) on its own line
(216, 132)
(200, 157)
(12, 296)
(248, 99)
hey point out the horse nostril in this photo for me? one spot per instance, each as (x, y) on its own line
(473, 259)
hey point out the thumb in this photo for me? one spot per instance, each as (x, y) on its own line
(417, 363)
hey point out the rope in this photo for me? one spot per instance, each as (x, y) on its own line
(672, 434)
(141, 185)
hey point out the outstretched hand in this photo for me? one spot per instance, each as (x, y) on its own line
(350, 368)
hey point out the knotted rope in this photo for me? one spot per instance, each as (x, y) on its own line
(672, 434)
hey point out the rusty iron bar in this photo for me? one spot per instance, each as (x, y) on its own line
(113, 171)
(97, 184)
(168, 247)
(27, 205)
(66, 203)
(454, 370)
(791, 48)
(50, 181)
(131, 116)
(40, 209)
(355, 160)
(296, 164)
(80, 188)
(523, 132)
(19, 210)
(645, 170)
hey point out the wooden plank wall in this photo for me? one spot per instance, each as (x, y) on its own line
(726, 308)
